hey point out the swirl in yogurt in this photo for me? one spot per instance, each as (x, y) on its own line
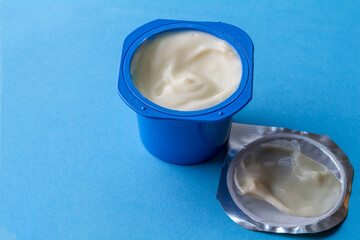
(186, 70)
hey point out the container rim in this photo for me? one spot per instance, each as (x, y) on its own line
(146, 107)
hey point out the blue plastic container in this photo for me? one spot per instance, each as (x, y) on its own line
(185, 137)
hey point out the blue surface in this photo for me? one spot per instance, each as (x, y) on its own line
(72, 164)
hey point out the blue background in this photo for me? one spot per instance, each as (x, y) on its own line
(72, 164)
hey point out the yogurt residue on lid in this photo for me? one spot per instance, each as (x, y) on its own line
(288, 180)
(186, 70)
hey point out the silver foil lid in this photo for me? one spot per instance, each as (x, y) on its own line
(258, 215)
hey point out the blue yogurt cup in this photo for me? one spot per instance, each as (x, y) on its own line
(185, 137)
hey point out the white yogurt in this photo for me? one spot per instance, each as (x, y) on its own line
(186, 70)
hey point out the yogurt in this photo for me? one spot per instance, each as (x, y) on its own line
(288, 180)
(186, 70)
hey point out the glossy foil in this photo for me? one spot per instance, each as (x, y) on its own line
(258, 215)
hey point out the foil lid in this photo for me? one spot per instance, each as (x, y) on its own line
(258, 215)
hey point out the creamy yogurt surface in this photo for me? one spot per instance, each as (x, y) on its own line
(288, 180)
(186, 70)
